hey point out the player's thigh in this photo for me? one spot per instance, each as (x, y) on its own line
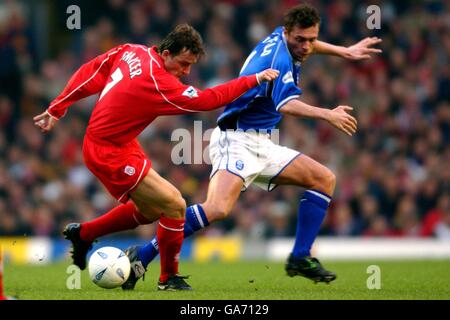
(223, 191)
(308, 173)
(156, 195)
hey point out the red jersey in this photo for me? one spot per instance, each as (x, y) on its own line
(135, 88)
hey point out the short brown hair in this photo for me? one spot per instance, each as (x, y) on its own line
(303, 16)
(183, 37)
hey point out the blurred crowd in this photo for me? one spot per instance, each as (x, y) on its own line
(393, 175)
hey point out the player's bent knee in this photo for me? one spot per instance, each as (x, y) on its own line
(331, 179)
(327, 182)
(176, 207)
(216, 213)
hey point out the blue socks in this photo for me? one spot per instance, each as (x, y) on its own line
(311, 212)
(195, 220)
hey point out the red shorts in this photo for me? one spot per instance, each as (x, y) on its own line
(120, 168)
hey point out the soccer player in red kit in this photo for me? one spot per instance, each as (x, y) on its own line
(136, 85)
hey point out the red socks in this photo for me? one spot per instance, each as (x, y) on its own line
(170, 238)
(122, 217)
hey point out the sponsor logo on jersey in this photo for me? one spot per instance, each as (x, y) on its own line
(129, 170)
(288, 77)
(239, 164)
(190, 92)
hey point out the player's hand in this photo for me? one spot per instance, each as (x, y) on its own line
(44, 121)
(267, 75)
(363, 49)
(340, 118)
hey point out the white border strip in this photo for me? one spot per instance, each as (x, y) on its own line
(345, 248)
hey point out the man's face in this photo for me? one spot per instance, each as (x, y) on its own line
(179, 65)
(301, 41)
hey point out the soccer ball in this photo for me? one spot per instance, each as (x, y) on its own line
(109, 267)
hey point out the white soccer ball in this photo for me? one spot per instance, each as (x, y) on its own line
(109, 267)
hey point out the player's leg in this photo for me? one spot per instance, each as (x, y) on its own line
(164, 200)
(119, 169)
(123, 217)
(320, 183)
(223, 192)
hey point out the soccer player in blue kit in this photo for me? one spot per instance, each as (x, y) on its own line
(242, 152)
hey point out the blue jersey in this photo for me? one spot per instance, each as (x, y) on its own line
(259, 107)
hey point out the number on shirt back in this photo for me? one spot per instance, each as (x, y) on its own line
(116, 76)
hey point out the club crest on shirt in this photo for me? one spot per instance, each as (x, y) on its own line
(129, 170)
(239, 164)
(288, 77)
(190, 92)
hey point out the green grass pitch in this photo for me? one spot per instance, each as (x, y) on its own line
(244, 280)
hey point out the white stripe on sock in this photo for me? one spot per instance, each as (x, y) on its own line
(199, 217)
(155, 244)
(324, 197)
(171, 229)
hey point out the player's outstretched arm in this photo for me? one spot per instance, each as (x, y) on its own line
(89, 79)
(339, 117)
(359, 51)
(189, 99)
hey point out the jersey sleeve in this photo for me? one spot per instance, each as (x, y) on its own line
(89, 79)
(185, 99)
(284, 87)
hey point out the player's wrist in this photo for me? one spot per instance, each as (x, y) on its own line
(51, 115)
(345, 53)
(257, 75)
(327, 114)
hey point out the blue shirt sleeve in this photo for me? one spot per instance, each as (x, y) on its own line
(284, 87)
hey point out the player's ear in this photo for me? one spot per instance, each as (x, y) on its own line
(165, 53)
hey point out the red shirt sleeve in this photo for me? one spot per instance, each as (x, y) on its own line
(89, 79)
(183, 98)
